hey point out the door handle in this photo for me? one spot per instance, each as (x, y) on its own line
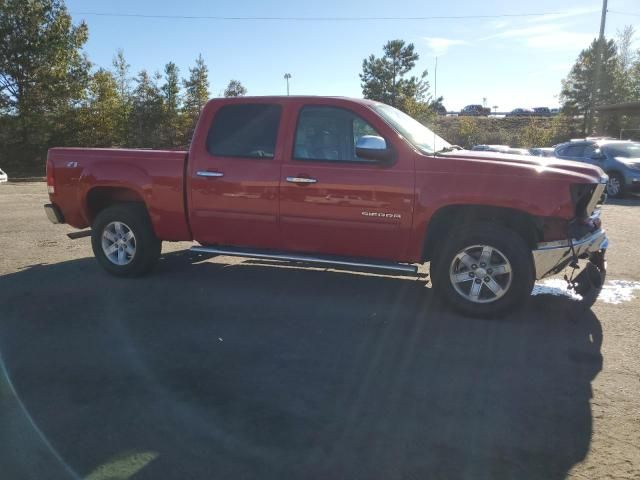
(301, 180)
(204, 173)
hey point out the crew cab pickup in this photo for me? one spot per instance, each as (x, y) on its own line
(339, 181)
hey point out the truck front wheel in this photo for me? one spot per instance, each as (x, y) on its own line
(123, 240)
(483, 270)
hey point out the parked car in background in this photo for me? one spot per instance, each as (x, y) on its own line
(518, 151)
(542, 111)
(619, 159)
(500, 149)
(543, 151)
(475, 111)
(491, 148)
(520, 112)
(3, 176)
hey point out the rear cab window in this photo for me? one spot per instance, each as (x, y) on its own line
(245, 131)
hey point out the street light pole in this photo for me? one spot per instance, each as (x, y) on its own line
(287, 76)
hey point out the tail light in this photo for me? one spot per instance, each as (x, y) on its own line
(51, 179)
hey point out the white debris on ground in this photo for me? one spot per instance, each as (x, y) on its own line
(618, 291)
(614, 291)
(554, 286)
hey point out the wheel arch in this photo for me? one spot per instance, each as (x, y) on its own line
(528, 226)
(100, 197)
(615, 171)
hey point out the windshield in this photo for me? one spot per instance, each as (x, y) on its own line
(416, 133)
(624, 150)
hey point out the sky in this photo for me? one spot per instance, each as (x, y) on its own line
(509, 61)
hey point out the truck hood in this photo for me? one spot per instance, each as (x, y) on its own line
(567, 168)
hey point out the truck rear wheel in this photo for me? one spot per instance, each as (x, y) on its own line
(483, 270)
(123, 240)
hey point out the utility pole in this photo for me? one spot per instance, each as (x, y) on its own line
(595, 87)
(287, 76)
(603, 19)
(435, 80)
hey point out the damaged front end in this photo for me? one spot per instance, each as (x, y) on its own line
(583, 251)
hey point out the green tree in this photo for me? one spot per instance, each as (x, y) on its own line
(196, 94)
(235, 89)
(627, 83)
(121, 73)
(386, 79)
(171, 121)
(634, 74)
(43, 73)
(147, 111)
(469, 131)
(582, 92)
(536, 133)
(122, 76)
(96, 123)
(624, 42)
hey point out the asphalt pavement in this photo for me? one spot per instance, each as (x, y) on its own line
(231, 368)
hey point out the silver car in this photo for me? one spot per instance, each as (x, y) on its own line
(542, 152)
(619, 159)
(3, 176)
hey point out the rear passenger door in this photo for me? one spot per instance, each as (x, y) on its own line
(332, 201)
(234, 174)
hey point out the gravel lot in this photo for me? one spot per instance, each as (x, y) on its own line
(221, 368)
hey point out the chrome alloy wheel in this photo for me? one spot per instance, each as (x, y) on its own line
(480, 274)
(118, 243)
(613, 186)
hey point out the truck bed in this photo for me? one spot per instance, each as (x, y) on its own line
(84, 177)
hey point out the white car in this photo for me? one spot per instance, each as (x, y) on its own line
(3, 176)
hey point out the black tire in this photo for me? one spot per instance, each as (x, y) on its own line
(620, 181)
(147, 246)
(509, 244)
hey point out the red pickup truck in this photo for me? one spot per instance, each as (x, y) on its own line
(342, 182)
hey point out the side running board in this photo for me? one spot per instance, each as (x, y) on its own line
(321, 260)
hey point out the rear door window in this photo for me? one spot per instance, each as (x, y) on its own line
(244, 130)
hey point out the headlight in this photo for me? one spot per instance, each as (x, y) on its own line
(581, 196)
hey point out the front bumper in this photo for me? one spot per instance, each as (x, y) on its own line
(551, 257)
(53, 213)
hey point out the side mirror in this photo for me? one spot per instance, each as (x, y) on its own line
(598, 155)
(372, 147)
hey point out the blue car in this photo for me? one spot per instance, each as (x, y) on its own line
(619, 159)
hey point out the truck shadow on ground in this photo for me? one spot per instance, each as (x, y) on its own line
(252, 371)
(632, 200)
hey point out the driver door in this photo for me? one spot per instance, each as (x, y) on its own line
(333, 202)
